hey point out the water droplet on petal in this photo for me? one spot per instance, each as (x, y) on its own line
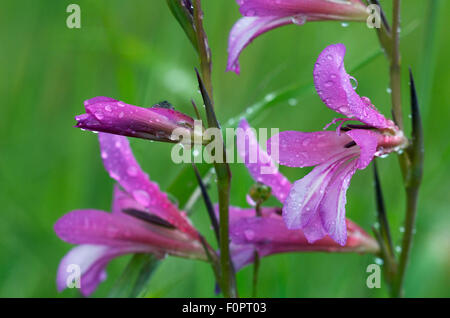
(249, 234)
(298, 19)
(354, 82)
(141, 197)
(132, 171)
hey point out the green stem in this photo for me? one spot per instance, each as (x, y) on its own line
(410, 161)
(204, 51)
(411, 212)
(256, 263)
(223, 172)
(395, 68)
(256, 258)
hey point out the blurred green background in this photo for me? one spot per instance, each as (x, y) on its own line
(136, 52)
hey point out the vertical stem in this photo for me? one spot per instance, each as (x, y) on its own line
(256, 257)
(395, 68)
(255, 273)
(204, 51)
(411, 212)
(223, 172)
(411, 162)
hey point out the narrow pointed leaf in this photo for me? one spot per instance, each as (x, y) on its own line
(182, 11)
(208, 203)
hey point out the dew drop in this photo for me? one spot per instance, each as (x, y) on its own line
(269, 97)
(306, 142)
(250, 13)
(249, 234)
(292, 102)
(298, 19)
(379, 261)
(354, 82)
(344, 110)
(141, 197)
(132, 171)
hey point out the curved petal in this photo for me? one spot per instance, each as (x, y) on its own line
(111, 116)
(352, 10)
(122, 201)
(91, 261)
(335, 89)
(118, 230)
(314, 231)
(259, 163)
(119, 161)
(245, 31)
(305, 195)
(332, 207)
(269, 236)
(367, 141)
(303, 149)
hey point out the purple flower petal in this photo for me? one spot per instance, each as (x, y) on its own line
(123, 201)
(352, 10)
(111, 116)
(332, 206)
(367, 141)
(269, 235)
(302, 202)
(92, 261)
(303, 149)
(123, 167)
(335, 89)
(245, 31)
(259, 163)
(314, 231)
(118, 230)
(241, 255)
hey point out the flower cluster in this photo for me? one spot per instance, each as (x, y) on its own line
(310, 214)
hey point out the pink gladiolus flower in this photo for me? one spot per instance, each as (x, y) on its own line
(261, 16)
(115, 117)
(268, 234)
(316, 203)
(143, 220)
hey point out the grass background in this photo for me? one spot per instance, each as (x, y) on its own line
(136, 52)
